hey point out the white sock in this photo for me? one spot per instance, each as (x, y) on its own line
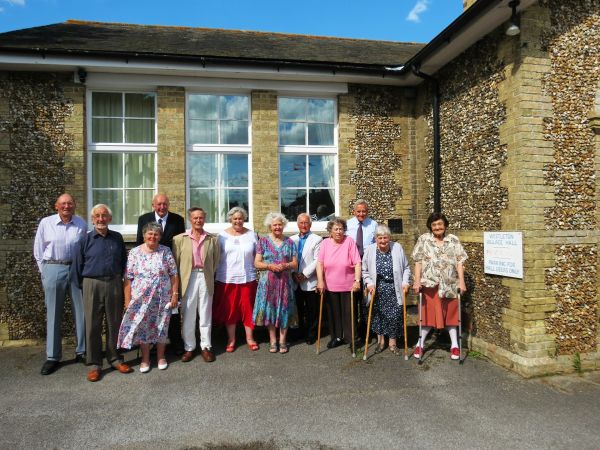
(424, 332)
(453, 336)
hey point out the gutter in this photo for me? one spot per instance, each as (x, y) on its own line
(437, 157)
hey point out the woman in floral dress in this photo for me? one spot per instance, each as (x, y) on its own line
(275, 306)
(151, 290)
(440, 276)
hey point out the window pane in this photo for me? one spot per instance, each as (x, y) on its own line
(291, 133)
(293, 202)
(234, 107)
(139, 105)
(107, 130)
(320, 110)
(321, 204)
(235, 171)
(320, 134)
(205, 199)
(107, 104)
(114, 200)
(203, 107)
(203, 132)
(233, 197)
(139, 170)
(136, 203)
(321, 171)
(292, 170)
(234, 132)
(292, 109)
(139, 131)
(107, 170)
(203, 170)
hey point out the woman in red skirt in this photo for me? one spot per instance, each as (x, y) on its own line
(439, 275)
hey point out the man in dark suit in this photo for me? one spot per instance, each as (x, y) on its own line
(172, 225)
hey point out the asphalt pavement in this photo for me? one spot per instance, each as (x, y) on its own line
(300, 400)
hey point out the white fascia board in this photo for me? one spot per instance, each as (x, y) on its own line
(189, 70)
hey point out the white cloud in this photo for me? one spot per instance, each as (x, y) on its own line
(419, 8)
(14, 2)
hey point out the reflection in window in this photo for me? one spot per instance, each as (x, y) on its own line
(218, 182)
(218, 119)
(124, 182)
(307, 185)
(306, 121)
(123, 118)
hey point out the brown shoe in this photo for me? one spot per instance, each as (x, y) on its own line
(207, 355)
(122, 367)
(187, 356)
(93, 375)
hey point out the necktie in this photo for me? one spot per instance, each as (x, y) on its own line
(160, 222)
(359, 239)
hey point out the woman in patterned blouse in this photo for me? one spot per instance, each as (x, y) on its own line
(439, 275)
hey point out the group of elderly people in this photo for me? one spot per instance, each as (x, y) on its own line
(238, 276)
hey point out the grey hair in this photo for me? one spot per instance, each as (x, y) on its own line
(360, 201)
(152, 226)
(98, 206)
(336, 221)
(235, 210)
(273, 216)
(304, 215)
(383, 230)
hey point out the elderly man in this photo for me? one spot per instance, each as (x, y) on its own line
(308, 245)
(99, 263)
(197, 255)
(362, 229)
(53, 249)
(172, 225)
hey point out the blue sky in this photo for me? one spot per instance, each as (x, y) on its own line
(393, 20)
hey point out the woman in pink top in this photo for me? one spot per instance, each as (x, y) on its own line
(338, 273)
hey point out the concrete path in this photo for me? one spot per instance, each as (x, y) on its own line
(299, 400)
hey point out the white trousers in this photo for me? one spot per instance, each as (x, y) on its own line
(196, 303)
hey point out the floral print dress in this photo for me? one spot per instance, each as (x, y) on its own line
(146, 320)
(275, 303)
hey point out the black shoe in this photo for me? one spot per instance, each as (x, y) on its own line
(335, 343)
(49, 367)
(80, 358)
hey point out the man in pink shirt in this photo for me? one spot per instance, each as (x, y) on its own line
(197, 255)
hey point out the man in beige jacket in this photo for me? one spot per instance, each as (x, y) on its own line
(197, 255)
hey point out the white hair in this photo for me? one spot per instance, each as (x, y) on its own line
(99, 206)
(274, 216)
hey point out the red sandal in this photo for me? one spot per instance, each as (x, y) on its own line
(253, 346)
(230, 348)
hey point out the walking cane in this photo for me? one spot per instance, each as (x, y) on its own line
(421, 326)
(352, 319)
(404, 320)
(460, 353)
(369, 326)
(319, 330)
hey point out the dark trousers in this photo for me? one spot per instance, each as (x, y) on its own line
(102, 302)
(308, 310)
(340, 316)
(175, 339)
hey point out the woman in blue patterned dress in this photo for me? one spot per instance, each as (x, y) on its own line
(151, 290)
(275, 306)
(386, 271)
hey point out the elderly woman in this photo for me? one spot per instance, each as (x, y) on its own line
(275, 305)
(338, 273)
(235, 286)
(151, 289)
(439, 274)
(386, 272)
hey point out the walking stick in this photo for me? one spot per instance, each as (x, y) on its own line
(460, 353)
(369, 326)
(352, 319)
(319, 330)
(421, 326)
(404, 320)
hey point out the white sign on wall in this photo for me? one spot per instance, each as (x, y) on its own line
(503, 253)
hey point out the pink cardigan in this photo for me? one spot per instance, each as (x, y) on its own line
(338, 263)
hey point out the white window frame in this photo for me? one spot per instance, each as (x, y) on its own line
(292, 226)
(191, 149)
(122, 148)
